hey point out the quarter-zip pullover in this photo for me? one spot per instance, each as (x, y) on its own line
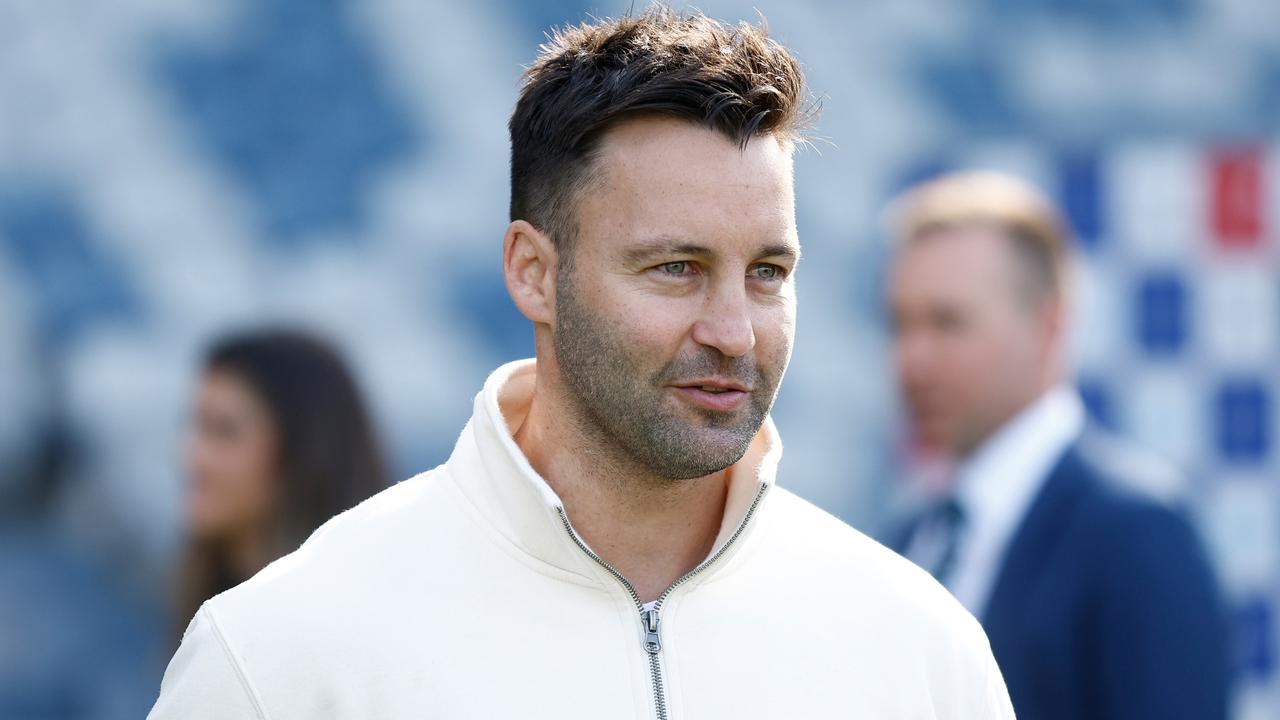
(465, 592)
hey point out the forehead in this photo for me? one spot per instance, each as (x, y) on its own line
(669, 177)
(961, 262)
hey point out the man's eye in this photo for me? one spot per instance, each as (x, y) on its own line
(675, 268)
(767, 272)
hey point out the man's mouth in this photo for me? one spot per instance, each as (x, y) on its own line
(720, 395)
(715, 385)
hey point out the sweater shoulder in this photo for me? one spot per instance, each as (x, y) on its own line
(866, 596)
(854, 570)
(814, 532)
(367, 541)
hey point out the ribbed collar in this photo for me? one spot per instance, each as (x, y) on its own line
(494, 474)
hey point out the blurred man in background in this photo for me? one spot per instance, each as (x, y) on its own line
(1097, 598)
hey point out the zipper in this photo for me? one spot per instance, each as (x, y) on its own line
(650, 619)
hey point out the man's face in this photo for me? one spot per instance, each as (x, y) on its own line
(675, 312)
(970, 348)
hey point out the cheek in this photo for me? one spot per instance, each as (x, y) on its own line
(775, 330)
(653, 325)
(976, 356)
(987, 367)
(231, 483)
(961, 368)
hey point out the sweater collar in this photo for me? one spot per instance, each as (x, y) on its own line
(496, 477)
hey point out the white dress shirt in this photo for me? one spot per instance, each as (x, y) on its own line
(995, 487)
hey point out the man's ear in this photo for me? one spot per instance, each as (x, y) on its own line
(528, 266)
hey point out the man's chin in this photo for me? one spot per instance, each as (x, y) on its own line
(715, 426)
(711, 466)
(931, 437)
(686, 451)
(720, 450)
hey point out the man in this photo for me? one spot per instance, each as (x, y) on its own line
(606, 540)
(1096, 597)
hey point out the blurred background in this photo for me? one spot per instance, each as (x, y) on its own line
(171, 170)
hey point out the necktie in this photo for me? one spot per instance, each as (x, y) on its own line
(949, 518)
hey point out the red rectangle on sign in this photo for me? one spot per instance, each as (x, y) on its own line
(1239, 198)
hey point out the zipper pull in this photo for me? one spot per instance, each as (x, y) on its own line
(652, 641)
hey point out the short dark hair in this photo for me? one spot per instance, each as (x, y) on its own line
(587, 78)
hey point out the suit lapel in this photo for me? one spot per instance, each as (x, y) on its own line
(1032, 544)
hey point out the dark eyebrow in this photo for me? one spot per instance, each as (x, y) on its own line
(648, 250)
(791, 252)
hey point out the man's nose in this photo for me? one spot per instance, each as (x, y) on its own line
(726, 322)
(915, 355)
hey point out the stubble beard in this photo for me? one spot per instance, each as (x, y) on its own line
(623, 405)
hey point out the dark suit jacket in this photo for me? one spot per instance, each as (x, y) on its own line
(1104, 607)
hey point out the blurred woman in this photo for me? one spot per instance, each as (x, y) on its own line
(280, 443)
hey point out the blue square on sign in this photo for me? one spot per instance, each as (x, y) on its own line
(1162, 309)
(1255, 655)
(1081, 182)
(1243, 421)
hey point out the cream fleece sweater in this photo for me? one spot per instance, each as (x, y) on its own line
(465, 593)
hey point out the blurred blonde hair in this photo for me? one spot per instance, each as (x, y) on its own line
(1004, 203)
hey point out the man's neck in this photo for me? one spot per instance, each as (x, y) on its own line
(652, 530)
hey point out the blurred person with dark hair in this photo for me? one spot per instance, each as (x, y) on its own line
(280, 443)
(1097, 596)
(606, 540)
